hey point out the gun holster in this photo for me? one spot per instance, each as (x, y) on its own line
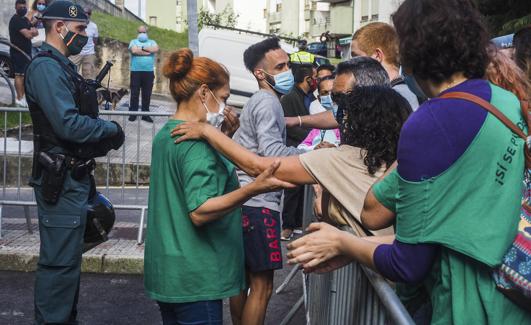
(53, 175)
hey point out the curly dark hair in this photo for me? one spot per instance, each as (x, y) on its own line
(372, 119)
(439, 38)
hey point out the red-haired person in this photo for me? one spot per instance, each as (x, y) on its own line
(504, 72)
(194, 247)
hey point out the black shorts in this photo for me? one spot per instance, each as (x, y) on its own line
(261, 239)
(20, 62)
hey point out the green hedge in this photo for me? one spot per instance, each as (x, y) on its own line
(125, 30)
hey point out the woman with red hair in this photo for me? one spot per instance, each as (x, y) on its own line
(194, 246)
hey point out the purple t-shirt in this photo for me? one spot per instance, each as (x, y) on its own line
(431, 140)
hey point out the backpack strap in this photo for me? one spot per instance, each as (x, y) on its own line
(496, 112)
(48, 54)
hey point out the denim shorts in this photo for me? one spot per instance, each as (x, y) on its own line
(192, 313)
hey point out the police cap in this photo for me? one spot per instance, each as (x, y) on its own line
(65, 10)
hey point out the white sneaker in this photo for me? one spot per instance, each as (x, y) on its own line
(22, 102)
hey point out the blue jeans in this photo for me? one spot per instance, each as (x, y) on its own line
(192, 313)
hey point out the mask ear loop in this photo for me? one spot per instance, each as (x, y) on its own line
(270, 85)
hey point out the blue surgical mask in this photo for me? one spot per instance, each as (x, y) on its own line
(284, 81)
(142, 37)
(41, 7)
(326, 102)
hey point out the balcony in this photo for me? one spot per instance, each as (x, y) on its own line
(335, 1)
(275, 17)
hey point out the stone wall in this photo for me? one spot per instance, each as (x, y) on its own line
(7, 9)
(120, 73)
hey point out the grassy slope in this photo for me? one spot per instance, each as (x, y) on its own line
(124, 30)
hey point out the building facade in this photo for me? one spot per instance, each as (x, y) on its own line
(172, 14)
(348, 16)
(305, 18)
(310, 18)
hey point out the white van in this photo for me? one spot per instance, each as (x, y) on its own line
(226, 47)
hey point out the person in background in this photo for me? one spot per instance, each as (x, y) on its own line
(143, 52)
(319, 138)
(297, 103)
(86, 60)
(522, 49)
(443, 193)
(504, 72)
(323, 71)
(380, 42)
(302, 56)
(20, 34)
(34, 16)
(194, 247)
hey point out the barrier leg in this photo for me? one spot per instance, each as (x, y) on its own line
(140, 240)
(293, 311)
(287, 280)
(1, 210)
(28, 219)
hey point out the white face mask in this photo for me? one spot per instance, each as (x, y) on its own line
(215, 119)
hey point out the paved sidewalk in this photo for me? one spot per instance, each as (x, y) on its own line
(19, 249)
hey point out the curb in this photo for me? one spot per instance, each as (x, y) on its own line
(106, 264)
(19, 250)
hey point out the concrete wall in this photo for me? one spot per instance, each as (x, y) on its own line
(7, 9)
(173, 16)
(290, 17)
(165, 12)
(341, 18)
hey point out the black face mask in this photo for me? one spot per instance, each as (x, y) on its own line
(22, 11)
(74, 41)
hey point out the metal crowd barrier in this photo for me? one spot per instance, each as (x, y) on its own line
(350, 295)
(124, 196)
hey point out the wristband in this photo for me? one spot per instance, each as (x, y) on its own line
(300, 121)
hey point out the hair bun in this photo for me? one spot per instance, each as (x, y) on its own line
(178, 64)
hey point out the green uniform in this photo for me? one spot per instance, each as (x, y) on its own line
(474, 222)
(183, 262)
(61, 225)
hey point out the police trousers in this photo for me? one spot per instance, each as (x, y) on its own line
(61, 227)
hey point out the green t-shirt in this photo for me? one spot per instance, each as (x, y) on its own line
(386, 190)
(185, 263)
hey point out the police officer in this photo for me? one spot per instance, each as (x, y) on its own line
(65, 139)
(302, 56)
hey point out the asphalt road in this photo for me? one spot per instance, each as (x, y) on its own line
(117, 300)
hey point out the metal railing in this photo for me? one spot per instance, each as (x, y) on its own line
(120, 177)
(353, 294)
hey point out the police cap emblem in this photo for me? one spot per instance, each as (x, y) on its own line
(72, 11)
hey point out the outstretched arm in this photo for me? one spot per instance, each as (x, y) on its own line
(290, 170)
(324, 121)
(217, 207)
